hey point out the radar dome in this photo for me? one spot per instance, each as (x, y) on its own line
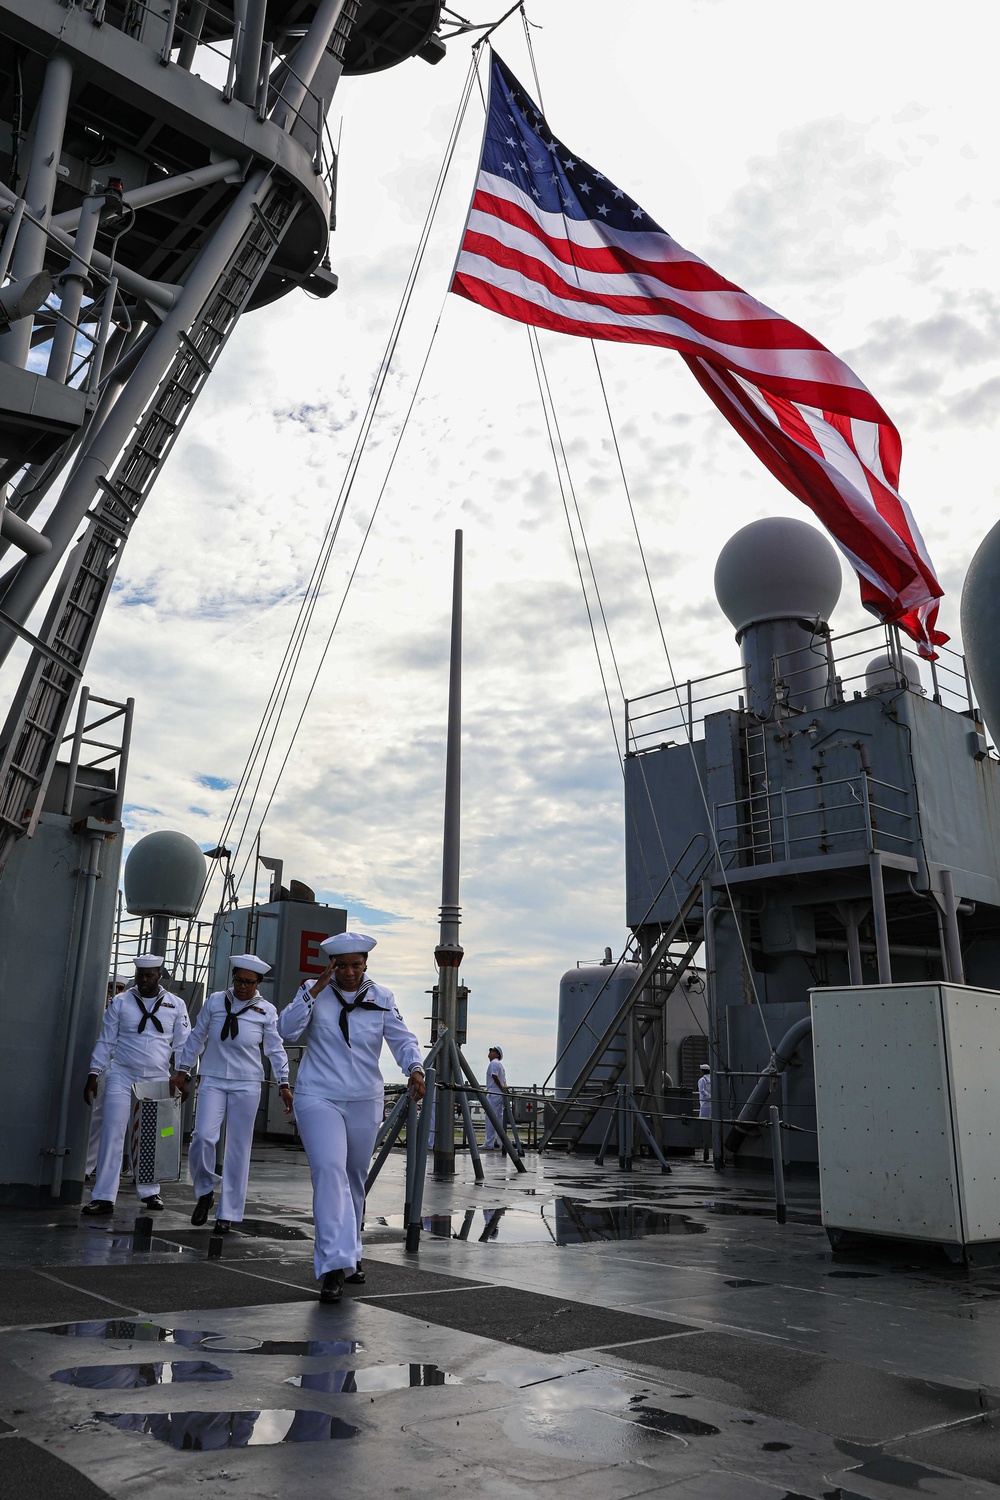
(165, 876)
(981, 626)
(777, 569)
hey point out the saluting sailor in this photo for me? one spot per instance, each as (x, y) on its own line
(344, 1017)
(232, 1028)
(142, 1027)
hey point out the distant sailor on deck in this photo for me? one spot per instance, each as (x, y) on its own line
(496, 1087)
(344, 1018)
(143, 1027)
(232, 1028)
(705, 1105)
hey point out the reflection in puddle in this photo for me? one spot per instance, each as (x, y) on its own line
(854, 1275)
(374, 1378)
(675, 1422)
(203, 1431)
(269, 1229)
(232, 1344)
(133, 1377)
(566, 1221)
(199, 1338)
(128, 1329)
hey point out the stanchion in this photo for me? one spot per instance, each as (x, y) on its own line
(780, 1210)
(463, 1100)
(416, 1184)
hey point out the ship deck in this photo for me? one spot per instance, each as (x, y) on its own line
(604, 1335)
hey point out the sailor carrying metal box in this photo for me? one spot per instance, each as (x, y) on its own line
(143, 1027)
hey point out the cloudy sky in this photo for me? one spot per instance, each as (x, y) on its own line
(843, 168)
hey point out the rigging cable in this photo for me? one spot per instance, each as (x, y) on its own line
(267, 729)
(673, 680)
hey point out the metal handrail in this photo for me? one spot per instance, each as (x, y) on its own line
(765, 830)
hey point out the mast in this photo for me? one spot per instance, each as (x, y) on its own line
(449, 952)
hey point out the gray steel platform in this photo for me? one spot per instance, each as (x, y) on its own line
(678, 1342)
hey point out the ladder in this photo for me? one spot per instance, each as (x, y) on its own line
(37, 719)
(759, 830)
(670, 959)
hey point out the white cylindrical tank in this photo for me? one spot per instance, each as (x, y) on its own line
(589, 996)
(165, 876)
(882, 674)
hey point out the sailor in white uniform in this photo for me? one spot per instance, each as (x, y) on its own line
(496, 1087)
(232, 1029)
(344, 1018)
(705, 1105)
(115, 987)
(142, 1027)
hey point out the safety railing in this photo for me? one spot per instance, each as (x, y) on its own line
(176, 44)
(850, 656)
(850, 813)
(676, 715)
(186, 950)
(99, 316)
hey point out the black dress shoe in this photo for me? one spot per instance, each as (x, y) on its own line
(154, 1202)
(201, 1208)
(332, 1289)
(356, 1278)
(97, 1206)
(223, 1226)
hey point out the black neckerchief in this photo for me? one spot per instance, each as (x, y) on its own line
(149, 1015)
(231, 1025)
(346, 1006)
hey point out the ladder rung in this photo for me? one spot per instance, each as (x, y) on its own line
(195, 354)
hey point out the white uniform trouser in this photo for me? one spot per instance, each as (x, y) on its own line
(117, 1110)
(236, 1104)
(339, 1137)
(495, 1102)
(96, 1126)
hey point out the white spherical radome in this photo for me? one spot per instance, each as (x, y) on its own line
(777, 569)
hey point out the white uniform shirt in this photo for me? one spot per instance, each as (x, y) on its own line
(705, 1096)
(495, 1076)
(144, 1054)
(237, 1059)
(331, 1068)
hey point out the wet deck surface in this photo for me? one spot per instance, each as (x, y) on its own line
(609, 1334)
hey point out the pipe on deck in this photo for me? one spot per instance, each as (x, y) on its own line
(780, 1058)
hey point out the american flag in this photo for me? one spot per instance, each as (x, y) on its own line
(550, 241)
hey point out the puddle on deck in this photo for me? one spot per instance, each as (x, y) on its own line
(127, 1331)
(566, 1221)
(137, 1377)
(207, 1431)
(374, 1378)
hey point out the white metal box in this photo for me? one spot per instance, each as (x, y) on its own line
(907, 1112)
(155, 1133)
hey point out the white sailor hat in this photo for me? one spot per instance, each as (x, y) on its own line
(348, 942)
(149, 961)
(706, 1067)
(497, 1050)
(250, 961)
